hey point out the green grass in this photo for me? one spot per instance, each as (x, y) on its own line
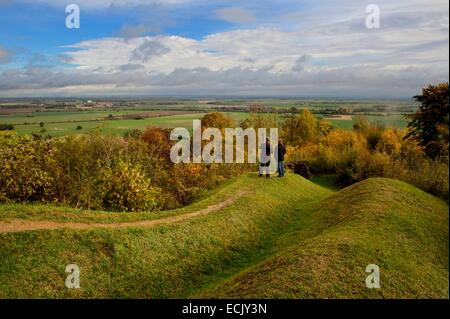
(39, 212)
(288, 238)
(379, 221)
(328, 181)
(65, 123)
(391, 120)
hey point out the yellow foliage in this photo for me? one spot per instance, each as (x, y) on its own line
(390, 142)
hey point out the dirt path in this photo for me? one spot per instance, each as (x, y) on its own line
(20, 225)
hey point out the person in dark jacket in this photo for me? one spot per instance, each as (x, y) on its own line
(280, 153)
(266, 153)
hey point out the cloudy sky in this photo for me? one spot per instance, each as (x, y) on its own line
(302, 48)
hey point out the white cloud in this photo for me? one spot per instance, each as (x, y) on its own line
(252, 49)
(355, 81)
(326, 54)
(148, 50)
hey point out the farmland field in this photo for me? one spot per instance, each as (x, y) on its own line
(117, 121)
(392, 120)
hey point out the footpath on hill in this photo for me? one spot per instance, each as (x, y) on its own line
(19, 225)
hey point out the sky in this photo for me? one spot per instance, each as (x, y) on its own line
(257, 48)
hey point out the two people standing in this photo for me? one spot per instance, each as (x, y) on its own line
(266, 153)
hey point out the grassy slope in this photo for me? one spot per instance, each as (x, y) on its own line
(289, 238)
(164, 261)
(40, 212)
(379, 221)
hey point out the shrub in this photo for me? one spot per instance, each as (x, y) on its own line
(432, 177)
(372, 131)
(341, 151)
(6, 127)
(134, 133)
(24, 173)
(78, 161)
(124, 187)
(390, 142)
(349, 155)
(217, 120)
(259, 120)
(158, 142)
(102, 172)
(303, 128)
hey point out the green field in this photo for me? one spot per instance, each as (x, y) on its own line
(391, 120)
(61, 123)
(65, 123)
(278, 238)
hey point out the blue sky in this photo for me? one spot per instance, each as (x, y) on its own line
(318, 48)
(39, 27)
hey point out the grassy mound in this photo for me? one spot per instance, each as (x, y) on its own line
(378, 221)
(285, 238)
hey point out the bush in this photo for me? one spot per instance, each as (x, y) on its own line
(340, 152)
(372, 131)
(78, 161)
(217, 120)
(304, 128)
(24, 173)
(6, 127)
(103, 172)
(125, 187)
(372, 151)
(390, 142)
(134, 133)
(433, 177)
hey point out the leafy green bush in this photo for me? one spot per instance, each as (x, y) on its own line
(103, 172)
(24, 173)
(372, 131)
(432, 177)
(373, 151)
(88, 171)
(125, 187)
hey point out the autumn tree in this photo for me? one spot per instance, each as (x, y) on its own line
(217, 120)
(429, 125)
(303, 127)
(260, 120)
(289, 128)
(371, 130)
(157, 140)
